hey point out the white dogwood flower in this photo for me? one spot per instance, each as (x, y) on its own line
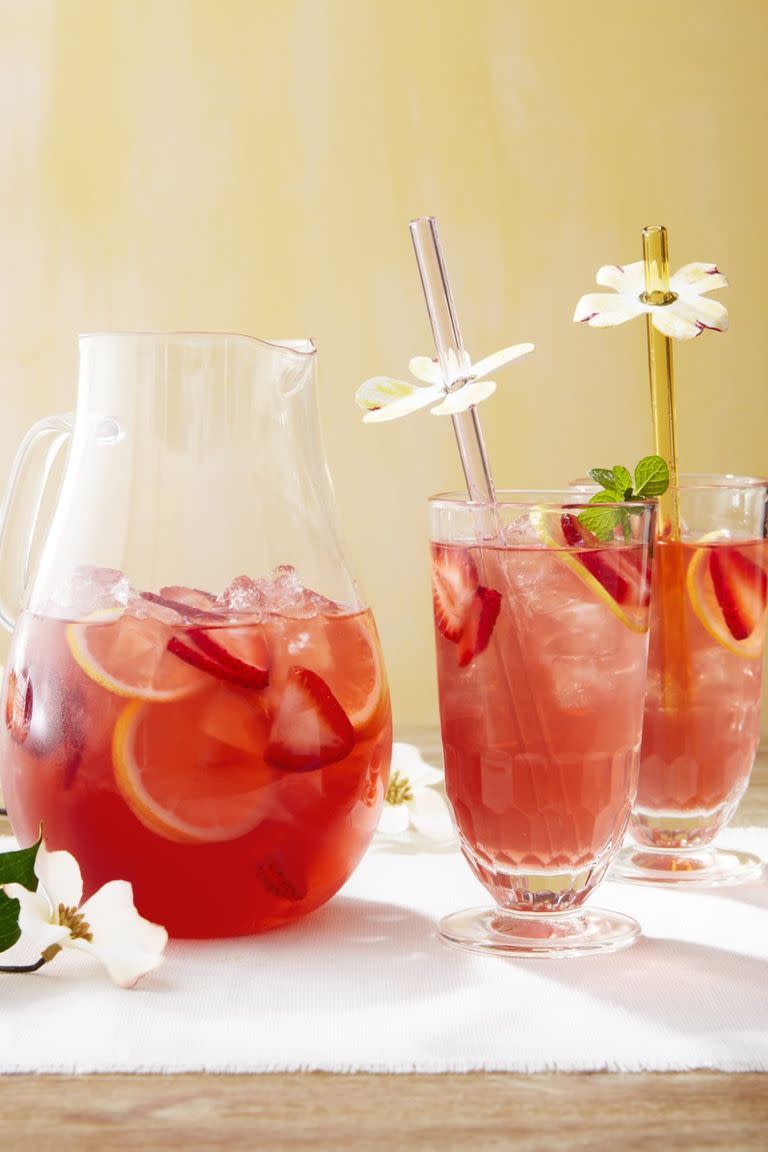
(384, 398)
(684, 315)
(412, 801)
(107, 925)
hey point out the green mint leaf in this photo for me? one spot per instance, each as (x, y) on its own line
(605, 478)
(651, 477)
(15, 868)
(603, 522)
(623, 481)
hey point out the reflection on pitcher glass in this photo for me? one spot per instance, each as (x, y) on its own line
(194, 698)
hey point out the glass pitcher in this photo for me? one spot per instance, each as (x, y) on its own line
(194, 697)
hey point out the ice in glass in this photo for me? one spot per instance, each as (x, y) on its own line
(541, 637)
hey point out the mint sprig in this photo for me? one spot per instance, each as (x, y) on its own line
(617, 487)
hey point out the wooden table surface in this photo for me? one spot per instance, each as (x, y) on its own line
(473, 1112)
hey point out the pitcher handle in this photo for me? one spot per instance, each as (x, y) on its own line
(23, 499)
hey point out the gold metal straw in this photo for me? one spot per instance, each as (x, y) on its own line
(661, 370)
(670, 576)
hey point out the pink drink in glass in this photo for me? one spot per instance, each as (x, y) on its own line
(541, 657)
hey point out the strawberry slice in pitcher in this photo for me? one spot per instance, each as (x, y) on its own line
(465, 610)
(309, 727)
(190, 603)
(237, 655)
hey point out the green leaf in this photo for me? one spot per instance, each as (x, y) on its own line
(605, 478)
(623, 481)
(651, 477)
(9, 922)
(602, 522)
(15, 868)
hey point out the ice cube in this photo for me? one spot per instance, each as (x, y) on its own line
(521, 532)
(243, 595)
(285, 595)
(147, 606)
(92, 589)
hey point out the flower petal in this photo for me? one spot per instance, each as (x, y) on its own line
(689, 316)
(381, 390)
(394, 819)
(431, 816)
(602, 310)
(628, 279)
(35, 918)
(59, 874)
(499, 359)
(673, 324)
(408, 761)
(464, 397)
(126, 944)
(697, 278)
(425, 369)
(388, 399)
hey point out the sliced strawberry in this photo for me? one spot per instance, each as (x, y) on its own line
(454, 583)
(282, 878)
(191, 597)
(189, 611)
(18, 704)
(479, 624)
(740, 587)
(605, 564)
(310, 728)
(216, 661)
(255, 670)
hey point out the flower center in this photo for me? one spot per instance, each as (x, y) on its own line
(74, 921)
(398, 790)
(658, 298)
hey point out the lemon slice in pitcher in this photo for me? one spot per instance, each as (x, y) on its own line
(129, 657)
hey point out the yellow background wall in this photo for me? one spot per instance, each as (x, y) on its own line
(252, 165)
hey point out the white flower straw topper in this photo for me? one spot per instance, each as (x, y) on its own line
(107, 925)
(680, 313)
(386, 399)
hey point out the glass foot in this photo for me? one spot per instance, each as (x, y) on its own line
(701, 867)
(500, 933)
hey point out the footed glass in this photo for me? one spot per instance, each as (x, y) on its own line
(705, 668)
(194, 699)
(541, 636)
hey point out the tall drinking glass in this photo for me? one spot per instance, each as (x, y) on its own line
(702, 711)
(542, 635)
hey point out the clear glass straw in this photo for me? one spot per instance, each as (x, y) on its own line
(661, 370)
(449, 345)
(450, 353)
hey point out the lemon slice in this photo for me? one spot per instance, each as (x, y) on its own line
(632, 614)
(129, 657)
(193, 771)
